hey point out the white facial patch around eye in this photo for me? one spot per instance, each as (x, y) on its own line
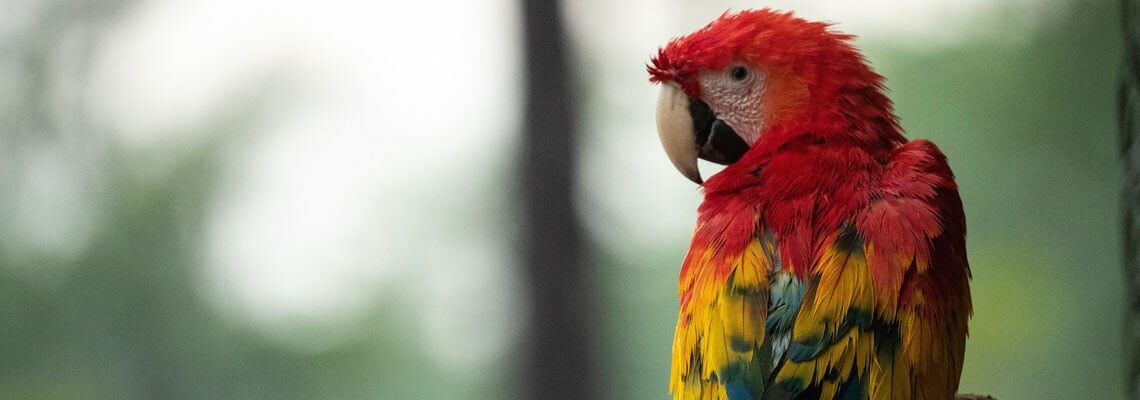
(737, 103)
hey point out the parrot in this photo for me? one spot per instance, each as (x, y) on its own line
(828, 260)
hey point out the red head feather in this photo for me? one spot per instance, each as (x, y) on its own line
(815, 73)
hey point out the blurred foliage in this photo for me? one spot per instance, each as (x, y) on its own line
(124, 318)
(1028, 126)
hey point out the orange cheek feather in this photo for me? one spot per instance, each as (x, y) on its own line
(785, 96)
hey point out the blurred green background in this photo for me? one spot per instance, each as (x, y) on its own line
(289, 200)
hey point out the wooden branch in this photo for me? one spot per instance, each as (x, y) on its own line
(1129, 125)
(973, 397)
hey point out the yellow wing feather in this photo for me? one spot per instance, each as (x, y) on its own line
(720, 328)
(849, 336)
(829, 348)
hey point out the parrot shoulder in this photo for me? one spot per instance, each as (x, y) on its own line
(884, 314)
(915, 247)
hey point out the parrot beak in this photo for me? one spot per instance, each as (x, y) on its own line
(675, 127)
(689, 130)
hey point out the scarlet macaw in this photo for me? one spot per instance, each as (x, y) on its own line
(829, 257)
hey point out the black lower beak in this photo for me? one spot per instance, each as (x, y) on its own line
(716, 140)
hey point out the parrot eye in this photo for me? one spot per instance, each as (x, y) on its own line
(739, 74)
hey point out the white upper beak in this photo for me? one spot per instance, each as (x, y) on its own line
(675, 127)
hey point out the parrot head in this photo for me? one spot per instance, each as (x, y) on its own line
(724, 86)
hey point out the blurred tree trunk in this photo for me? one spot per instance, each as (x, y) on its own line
(1129, 98)
(557, 361)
